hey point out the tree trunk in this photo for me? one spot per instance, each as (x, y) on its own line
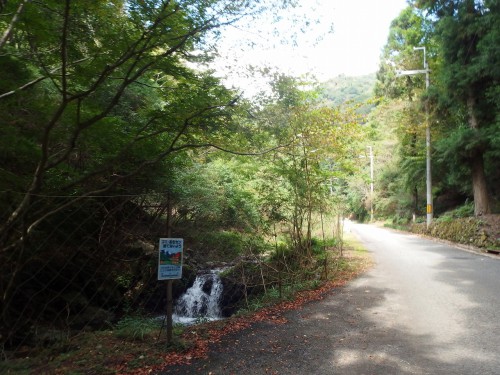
(479, 185)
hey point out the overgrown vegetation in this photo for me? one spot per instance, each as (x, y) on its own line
(113, 136)
(134, 343)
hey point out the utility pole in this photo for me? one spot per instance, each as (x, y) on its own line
(425, 71)
(371, 183)
(370, 155)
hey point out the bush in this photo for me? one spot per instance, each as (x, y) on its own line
(227, 245)
(467, 210)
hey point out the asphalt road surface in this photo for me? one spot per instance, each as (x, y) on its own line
(425, 308)
(440, 304)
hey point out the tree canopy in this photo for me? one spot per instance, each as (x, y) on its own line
(458, 37)
(112, 134)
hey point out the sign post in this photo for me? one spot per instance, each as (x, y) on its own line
(170, 268)
(170, 325)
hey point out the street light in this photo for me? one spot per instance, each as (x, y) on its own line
(425, 71)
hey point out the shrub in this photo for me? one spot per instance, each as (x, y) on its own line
(466, 210)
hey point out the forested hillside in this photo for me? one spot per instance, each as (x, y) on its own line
(344, 89)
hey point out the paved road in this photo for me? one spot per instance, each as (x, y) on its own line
(441, 305)
(425, 308)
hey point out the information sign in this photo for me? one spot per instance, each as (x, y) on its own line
(170, 258)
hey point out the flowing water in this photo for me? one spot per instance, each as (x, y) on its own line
(201, 301)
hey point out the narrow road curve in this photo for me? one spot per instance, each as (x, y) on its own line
(425, 308)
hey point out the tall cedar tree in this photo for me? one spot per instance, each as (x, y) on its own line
(468, 31)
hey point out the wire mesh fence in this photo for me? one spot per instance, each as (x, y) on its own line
(80, 269)
(90, 265)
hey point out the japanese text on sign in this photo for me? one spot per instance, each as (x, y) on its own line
(170, 258)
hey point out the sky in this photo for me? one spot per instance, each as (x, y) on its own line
(360, 30)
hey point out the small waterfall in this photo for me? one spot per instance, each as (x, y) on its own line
(201, 301)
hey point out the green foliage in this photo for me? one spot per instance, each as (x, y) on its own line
(78, 130)
(110, 138)
(137, 327)
(219, 190)
(320, 247)
(300, 179)
(224, 245)
(408, 30)
(272, 295)
(466, 210)
(124, 281)
(98, 100)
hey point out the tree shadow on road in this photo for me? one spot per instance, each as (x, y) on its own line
(348, 332)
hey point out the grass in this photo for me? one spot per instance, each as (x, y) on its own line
(356, 258)
(354, 244)
(137, 328)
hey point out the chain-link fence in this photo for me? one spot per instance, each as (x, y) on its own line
(89, 265)
(82, 268)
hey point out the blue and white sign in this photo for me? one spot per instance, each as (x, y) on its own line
(170, 258)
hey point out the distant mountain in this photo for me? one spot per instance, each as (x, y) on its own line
(342, 89)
